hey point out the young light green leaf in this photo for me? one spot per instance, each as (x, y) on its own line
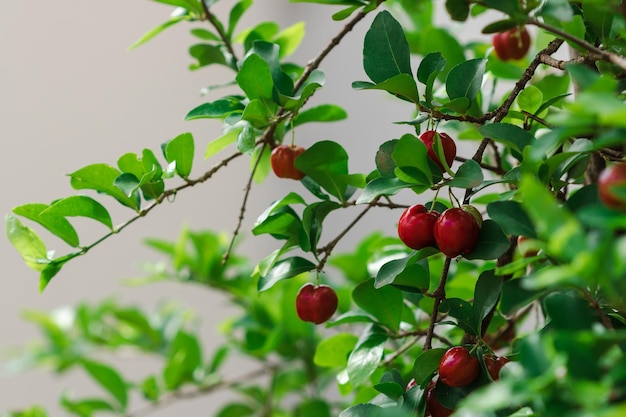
(27, 243)
(57, 225)
(183, 359)
(156, 30)
(101, 178)
(81, 206)
(217, 109)
(290, 38)
(109, 379)
(181, 150)
(385, 51)
(191, 5)
(222, 142)
(321, 113)
(235, 14)
(333, 351)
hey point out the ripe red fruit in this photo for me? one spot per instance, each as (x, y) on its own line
(316, 303)
(456, 232)
(282, 161)
(512, 44)
(447, 143)
(458, 368)
(433, 406)
(415, 227)
(612, 176)
(494, 365)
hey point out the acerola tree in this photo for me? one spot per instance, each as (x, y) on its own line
(468, 324)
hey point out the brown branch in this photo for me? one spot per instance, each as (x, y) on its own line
(606, 321)
(220, 30)
(440, 295)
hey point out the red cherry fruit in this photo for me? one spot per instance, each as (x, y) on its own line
(494, 365)
(512, 44)
(612, 176)
(458, 368)
(415, 227)
(447, 143)
(433, 406)
(282, 161)
(456, 232)
(316, 303)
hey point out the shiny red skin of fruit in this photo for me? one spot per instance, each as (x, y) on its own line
(447, 143)
(282, 161)
(433, 406)
(456, 232)
(415, 227)
(458, 368)
(614, 175)
(512, 44)
(494, 365)
(316, 303)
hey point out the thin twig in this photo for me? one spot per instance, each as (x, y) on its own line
(440, 295)
(220, 30)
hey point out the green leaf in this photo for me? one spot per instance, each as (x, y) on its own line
(101, 178)
(321, 113)
(462, 311)
(86, 407)
(246, 139)
(333, 351)
(156, 30)
(469, 175)
(257, 114)
(404, 272)
(465, 79)
(507, 134)
(59, 226)
(236, 12)
(385, 51)
(426, 364)
(410, 156)
(217, 109)
(515, 296)
(366, 356)
(486, 296)
(492, 242)
(27, 243)
(326, 162)
(80, 206)
(401, 85)
(183, 359)
(285, 269)
(290, 38)
(206, 55)
(530, 99)
(191, 5)
(430, 67)
(557, 9)
(458, 9)
(381, 186)
(368, 297)
(109, 379)
(220, 143)
(180, 150)
(255, 78)
(512, 217)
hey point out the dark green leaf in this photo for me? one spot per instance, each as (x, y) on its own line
(402, 85)
(512, 217)
(469, 175)
(404, 272)
(255, 78)
(433, 63)
(515, 296)
(458, 9)
(508, 134)
(426, 364)
(381, 186)
(287, 268)
(216, 109)
(369, 299)
(410, 156)
(486, 296)
(367, 355)
(385, 51)
(326, 162)
(462, 311)
(206, 55)
(465, 79)
(109, 379)
(492, 242)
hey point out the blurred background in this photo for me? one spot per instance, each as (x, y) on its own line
(73, 94)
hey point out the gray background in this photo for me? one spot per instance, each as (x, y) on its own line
(72, 94)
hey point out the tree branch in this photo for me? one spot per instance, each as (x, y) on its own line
(440, 295)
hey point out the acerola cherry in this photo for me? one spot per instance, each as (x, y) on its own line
(474, 212)
(316, 303)
(494, 365)
(512, 44)
(415, 227)
(458, 368)
(282, 161)
(456, 232)
(433, 406)
(447, 143)
(612, 176)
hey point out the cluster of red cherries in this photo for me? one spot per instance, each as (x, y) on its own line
(457, 368)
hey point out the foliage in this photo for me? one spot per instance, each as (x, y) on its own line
(543, 129)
